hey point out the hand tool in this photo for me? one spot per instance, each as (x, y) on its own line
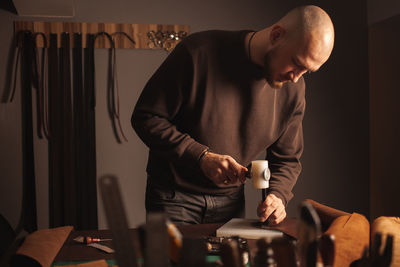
(156, 252)
(326, 248)
(265, 254)
(125, 252)
(193, 253)
(309, 231)
(260, 175)
(88, 239)
(230, 253)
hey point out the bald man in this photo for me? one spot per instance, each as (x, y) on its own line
(217, 102)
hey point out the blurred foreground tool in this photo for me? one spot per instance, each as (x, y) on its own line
(125, 252)
(175, 241)
(265, 254)
(309, 231)
(230, 253)
(156, 241)
(326, 249)
(193, 253)
(378, 257)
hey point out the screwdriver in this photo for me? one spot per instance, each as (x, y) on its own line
(88, 239)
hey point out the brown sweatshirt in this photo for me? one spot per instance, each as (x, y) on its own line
(208, 94)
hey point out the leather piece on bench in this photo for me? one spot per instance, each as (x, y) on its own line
(41, 247)
(388, 225)
(351, 237)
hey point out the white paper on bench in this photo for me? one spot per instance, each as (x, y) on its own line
(246, 228)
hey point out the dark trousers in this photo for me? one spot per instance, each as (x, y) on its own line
(189, 208)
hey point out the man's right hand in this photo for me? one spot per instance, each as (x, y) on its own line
(222, 169)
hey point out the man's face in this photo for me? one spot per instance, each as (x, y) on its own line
(288, 62)
(269, 73)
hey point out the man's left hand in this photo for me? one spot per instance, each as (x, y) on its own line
(271, 208)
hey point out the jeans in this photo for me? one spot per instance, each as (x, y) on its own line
(194, 208)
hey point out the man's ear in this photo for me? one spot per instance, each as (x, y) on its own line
(276, 34)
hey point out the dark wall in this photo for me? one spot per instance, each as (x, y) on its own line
(384, 57)
(335, 161)
(336, 156)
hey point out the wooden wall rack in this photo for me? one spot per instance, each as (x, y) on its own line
(146, 36)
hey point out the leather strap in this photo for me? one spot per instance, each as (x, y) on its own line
(89, 135)
(85, 150)
(70, 183)
(29, 217)
(19, 38)
(55, 145)
(113, 91)
(40, 85)
(79, 129)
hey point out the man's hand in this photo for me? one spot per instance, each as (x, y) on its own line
(271, 208)
(222, 169)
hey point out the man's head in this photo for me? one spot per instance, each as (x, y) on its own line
(298, 43)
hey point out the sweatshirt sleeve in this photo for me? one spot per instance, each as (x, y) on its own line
(284, 155)
(155, 115)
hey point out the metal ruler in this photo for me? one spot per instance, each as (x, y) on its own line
(115, 212)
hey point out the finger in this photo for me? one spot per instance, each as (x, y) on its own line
(279, 218)
(224, 179)
(263, 205)
(231, 177)
(264, 217)
(242, 176)
(260, 209)
(224, 173)
(227, 181)
(279, 212)
(235, 169)
(220, 176)
(267, 213)
(271, 205)
(269, 200)
(238, 170)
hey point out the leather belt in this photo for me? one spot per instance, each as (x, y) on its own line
(40, 85)
(68, 125)
(55, 146)
(29, 217)
(69, 180)
(89, 137)
(112, 90)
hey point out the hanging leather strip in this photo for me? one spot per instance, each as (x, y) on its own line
(19, 38)
(36, 85)
(70, 201)
(56, 192)
(112, 90)
(29, 219)
(79, 127)
(89, 136)
(82, 148)
(39, 84)
(116, 102)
